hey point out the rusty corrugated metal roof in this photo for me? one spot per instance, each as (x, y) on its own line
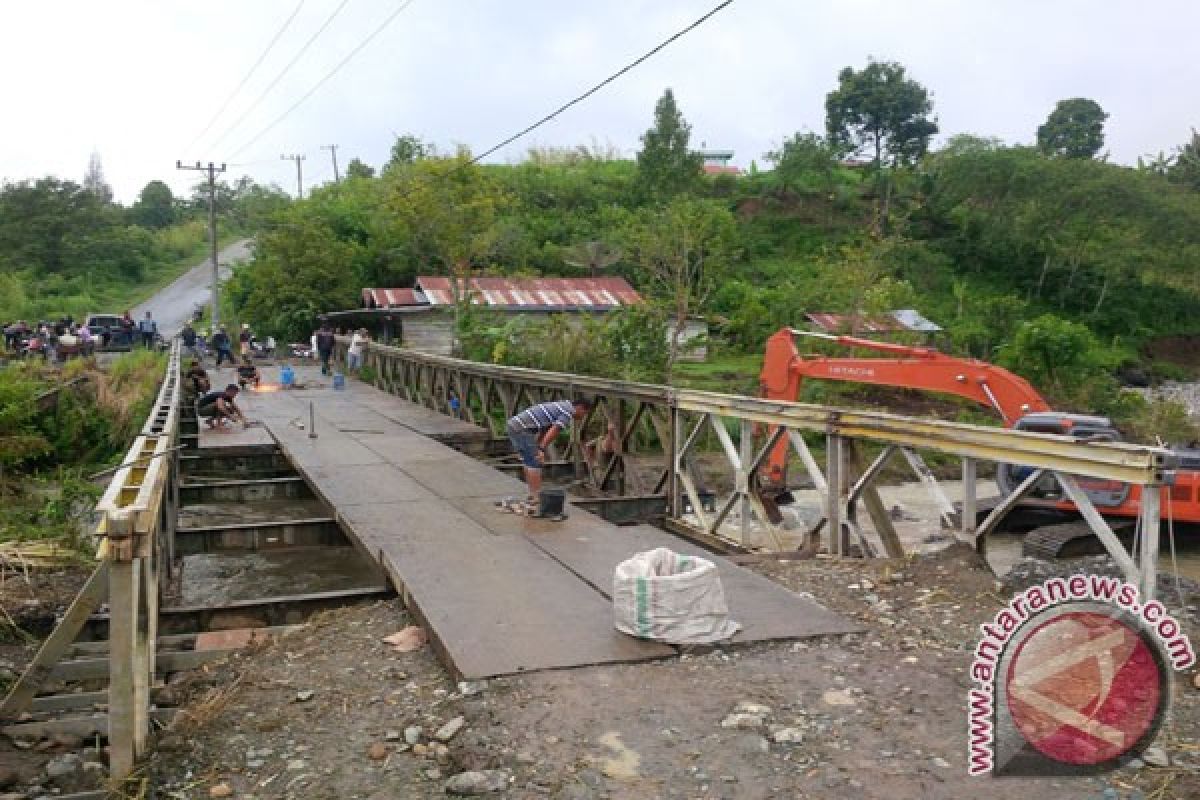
(903, 321)
(549, 294)
(388, 298)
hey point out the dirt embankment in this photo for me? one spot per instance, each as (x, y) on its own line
(332, 712)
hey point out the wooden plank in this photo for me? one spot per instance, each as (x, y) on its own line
(83, 727)
(175, 641)
(57, 643)
(81, 669)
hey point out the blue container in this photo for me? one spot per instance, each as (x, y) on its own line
(339, 380)
(286, 376)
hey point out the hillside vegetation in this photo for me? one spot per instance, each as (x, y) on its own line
(67, 249)
(1046, 258)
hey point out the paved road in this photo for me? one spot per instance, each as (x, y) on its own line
(173, 305)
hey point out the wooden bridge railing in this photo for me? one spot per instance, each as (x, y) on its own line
(137, 518)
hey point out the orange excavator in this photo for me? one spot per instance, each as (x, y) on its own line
(1011, 396)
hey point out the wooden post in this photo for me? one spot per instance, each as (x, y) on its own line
(833, 498)
(744, 479)
(671, 450)
(1148, 557)
(970, 505)
(122, 655)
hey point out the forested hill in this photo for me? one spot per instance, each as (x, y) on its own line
(1046, 258)
(67, 248)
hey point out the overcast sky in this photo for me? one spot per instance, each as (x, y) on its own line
(138, 80)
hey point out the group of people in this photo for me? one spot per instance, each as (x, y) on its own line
(196, 344)
(324, 339)
(53, 341)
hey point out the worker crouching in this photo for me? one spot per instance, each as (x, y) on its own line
(218, 407)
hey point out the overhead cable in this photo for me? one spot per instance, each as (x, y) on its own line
(327, 76)
(601, 84)
(304, 49)
(270, 45)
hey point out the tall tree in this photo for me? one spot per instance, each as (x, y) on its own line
(683, 249)
(155, 206)
(93, 179)
(1074, 129)
(666, 167)
(880, 111)
(1186, 167)
(409, 149)
(359, 169)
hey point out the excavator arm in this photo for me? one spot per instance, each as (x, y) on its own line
(784, 370)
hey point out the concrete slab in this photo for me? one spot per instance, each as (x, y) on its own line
(765, 609)
(233, 436)
(494, 605)
(591, 548)
(498, 593)
(369, 483)
(463, 476)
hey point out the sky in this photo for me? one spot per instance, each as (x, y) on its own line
(138, 81)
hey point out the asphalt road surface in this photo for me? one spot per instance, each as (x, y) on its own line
(173, 305)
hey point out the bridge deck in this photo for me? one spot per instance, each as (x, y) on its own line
(498, 593)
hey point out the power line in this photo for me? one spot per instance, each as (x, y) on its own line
(600, 85)
(284, 71)
(248, 75)
(329, 75)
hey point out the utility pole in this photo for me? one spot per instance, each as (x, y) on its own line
(212, 170)
(297, 157)
(332, 148)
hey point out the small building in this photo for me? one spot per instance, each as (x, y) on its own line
(904, 320)
(716, 162)
(422, 317)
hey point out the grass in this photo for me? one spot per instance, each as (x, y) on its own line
(732, 373)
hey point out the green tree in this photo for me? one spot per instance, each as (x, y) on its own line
(1054, 353)
(155, 206)
(666, 167)
(408, 150)
(446, 215)
(1185, 170)
(805, 161)
(880, 111)
(683, 249)
(358, 169)
(1074, 129)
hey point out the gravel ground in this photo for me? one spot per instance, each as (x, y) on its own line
(331, 711)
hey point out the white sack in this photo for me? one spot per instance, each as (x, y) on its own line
(672, 598)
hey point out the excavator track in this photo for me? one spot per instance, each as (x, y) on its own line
(1069, 540)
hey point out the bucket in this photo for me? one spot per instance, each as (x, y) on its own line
(286, 376)
(339, 380)
(551, 502)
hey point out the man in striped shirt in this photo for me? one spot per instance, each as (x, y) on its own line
(535, 428)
